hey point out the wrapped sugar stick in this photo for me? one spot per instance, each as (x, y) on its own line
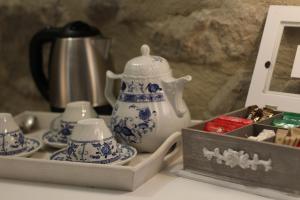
(289, 140)
(264, 135)
(297, 142)
(292, 141)
(295, 132)
(280, 136)
(286, 140)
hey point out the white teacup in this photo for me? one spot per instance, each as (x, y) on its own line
(63, 125)
(93, 142)
(12, 140)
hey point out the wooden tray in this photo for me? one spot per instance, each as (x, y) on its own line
(39, 168)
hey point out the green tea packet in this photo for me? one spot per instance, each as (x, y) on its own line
(286, 123)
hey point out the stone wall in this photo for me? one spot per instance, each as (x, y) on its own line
(216, 41)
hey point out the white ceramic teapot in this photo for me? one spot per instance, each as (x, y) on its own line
(150, 106)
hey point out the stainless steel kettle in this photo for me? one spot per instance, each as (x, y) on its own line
(79, 57)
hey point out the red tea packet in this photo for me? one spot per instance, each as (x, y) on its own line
(224, 124)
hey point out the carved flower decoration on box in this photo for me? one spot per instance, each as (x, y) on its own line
(234, 158)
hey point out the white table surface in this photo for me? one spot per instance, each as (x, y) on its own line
(164, 185)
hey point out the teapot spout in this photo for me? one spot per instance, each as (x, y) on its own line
(174, 91)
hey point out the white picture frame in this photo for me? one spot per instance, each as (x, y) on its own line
(259, 93)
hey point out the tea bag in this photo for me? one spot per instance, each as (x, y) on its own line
(280, 136)
(224, 124)
(289, 120)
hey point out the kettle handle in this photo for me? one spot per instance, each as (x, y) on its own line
(37, 42)
(109, 87)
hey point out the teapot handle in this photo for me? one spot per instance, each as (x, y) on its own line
(109, 87)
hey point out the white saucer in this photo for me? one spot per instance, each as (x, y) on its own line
(127, 153)
(32, 145)
(51, 138)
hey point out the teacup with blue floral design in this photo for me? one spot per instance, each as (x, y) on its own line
(92, 142)
(12, 140)
(62, 126)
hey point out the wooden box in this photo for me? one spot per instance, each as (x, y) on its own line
(276, 166)
(233, 157)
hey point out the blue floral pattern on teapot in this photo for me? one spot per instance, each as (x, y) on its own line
(137, 92)
(132, 128)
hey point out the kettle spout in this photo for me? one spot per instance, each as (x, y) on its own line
(174, 91)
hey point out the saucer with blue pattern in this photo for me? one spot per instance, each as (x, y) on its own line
(127, 153)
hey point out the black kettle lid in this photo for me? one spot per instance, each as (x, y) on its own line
(79, 29)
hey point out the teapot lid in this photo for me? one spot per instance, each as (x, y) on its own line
(147, 65)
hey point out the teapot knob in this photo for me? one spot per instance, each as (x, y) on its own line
(145, 50)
